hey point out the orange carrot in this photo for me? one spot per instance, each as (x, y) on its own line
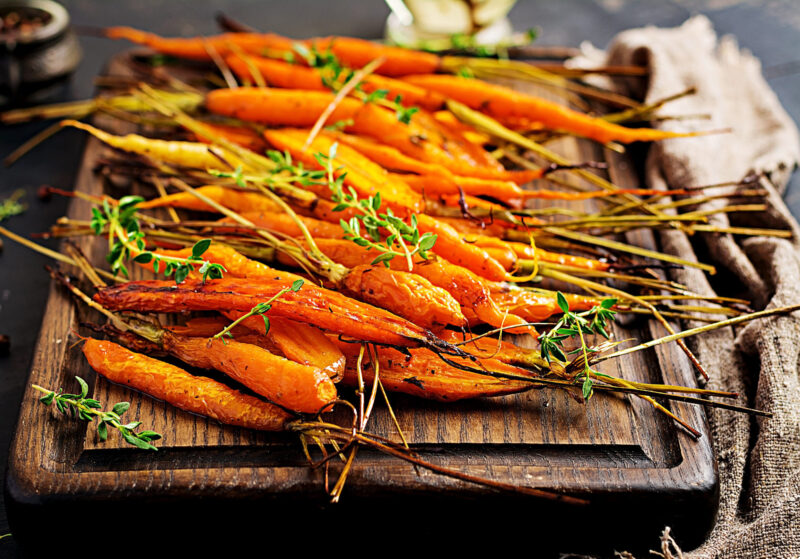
(197, 48)
(502, 102)
(283, 223)
(177, 387)
(356, 53)
(302, 109)
(450, 245)
(277, 73)
(363, 175)
(302, 343)
(291, 385)
(234, 199)
(241, 135)
(426, 376)
(314, 305)
(473, 293)
(535, 307)
(296, 341)
(405, 294)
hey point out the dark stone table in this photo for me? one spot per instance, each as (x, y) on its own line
(770, 29)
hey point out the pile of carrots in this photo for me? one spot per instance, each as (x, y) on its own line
(264, 155)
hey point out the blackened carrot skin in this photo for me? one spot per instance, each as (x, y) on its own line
(314, 305)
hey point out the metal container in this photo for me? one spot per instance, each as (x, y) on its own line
(37, 48)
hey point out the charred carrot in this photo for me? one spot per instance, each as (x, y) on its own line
(425, 376)
(177, 387)
(402, 293)
(323, 308)
(502, 102)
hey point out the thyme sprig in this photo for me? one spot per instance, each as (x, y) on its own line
(125, 238)
(80, 406)
(258, 310)
(572, 324)
(334, 75)
(12, 205)
(403, 239)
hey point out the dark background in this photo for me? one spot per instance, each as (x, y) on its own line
(770, 29)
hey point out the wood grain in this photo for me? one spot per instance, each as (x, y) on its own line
(613, 449)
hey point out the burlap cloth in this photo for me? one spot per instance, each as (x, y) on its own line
(759, 459)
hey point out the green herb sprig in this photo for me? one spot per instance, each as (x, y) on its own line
(88, 409)
(258, 310)
(12, 205)
(403, 240)
(125, 237)
(571, 324)
(334, 75)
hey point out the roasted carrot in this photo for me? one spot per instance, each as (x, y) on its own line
(177, 387)
(197, 48)
(323, 308)
(405, 294)
(195, 155)
(302, 109)
(354, 53)
(426, 376)
(402, 293)
(535, 307)
(277, 73)
(294, 340)
(240, 135)
(450, 246)
(363, 175)
(473, 293)
(283, 223)
(232, 198)
(291, 385)
(454, 143)
(302, 343)
(502, 102)
(393, 159)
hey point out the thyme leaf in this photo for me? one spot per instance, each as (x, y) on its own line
(365, 228)
(573, 324)
(80, 406)
(125, 238)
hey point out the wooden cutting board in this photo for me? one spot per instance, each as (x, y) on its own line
(633, 464)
